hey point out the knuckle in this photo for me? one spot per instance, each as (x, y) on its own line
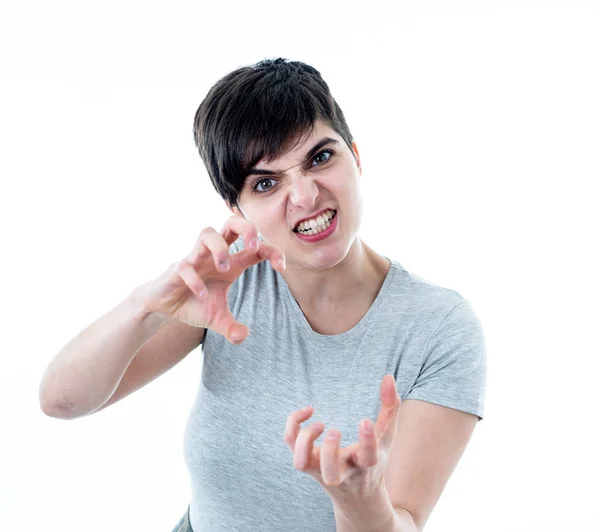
(251, 226)
(228, 223)
(207, 231)
(299, 464)
(180, 267)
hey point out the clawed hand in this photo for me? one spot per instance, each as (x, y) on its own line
(355, 470)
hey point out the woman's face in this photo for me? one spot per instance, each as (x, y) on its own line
(319, 175)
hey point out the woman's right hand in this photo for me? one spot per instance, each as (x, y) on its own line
(194, 290)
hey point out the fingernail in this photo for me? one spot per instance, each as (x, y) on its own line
(253, 244)
(224, 266)
(366, 426)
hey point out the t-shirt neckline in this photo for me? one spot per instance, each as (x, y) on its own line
(358, 328)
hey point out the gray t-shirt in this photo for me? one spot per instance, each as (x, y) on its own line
(242, 473)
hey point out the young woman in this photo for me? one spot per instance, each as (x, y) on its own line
(305, 330)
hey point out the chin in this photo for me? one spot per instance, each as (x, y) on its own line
(328, 258)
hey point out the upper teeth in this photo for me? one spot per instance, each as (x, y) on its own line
(314, 223)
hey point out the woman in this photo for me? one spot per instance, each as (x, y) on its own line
(293, 310)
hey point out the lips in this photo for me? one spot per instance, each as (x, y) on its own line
(312, 237)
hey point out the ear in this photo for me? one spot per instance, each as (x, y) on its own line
(357, 157)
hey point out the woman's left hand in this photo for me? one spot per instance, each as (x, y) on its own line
(357, 470)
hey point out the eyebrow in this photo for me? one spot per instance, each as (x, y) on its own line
(309, 155)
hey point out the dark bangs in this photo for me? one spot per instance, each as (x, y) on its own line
(260, 112)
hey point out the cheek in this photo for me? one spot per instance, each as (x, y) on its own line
(345, 187)
(268, 216)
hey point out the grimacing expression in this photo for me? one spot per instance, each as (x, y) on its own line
(320, 172)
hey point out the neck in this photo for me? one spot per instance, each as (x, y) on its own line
(358, 276)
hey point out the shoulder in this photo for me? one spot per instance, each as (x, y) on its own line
(421, 297)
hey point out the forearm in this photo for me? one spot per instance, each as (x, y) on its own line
(85, 373)
(375, 514)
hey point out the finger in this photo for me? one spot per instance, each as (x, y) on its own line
(292, 425)
(390, 405)
(210, 243)
(368, 446)
(266, 251)
(330, 458)
(236, 226)
(274, 255)
(198, 250)
(305, 445)
(226, 325)
(192, 280)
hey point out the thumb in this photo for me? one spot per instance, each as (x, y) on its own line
(390, 408)
(237, 333)
(226, 325)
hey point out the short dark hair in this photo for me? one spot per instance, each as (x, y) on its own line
(257, 112)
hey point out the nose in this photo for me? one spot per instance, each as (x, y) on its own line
(303, 191)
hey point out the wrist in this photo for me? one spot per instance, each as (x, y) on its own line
(142, 313)
(365, 512)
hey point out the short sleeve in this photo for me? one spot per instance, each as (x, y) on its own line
(454, 368)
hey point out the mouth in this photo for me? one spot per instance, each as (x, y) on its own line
(316, 225)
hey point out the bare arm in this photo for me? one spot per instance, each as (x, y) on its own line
(156, 326)
(169, 346)
(88, 371)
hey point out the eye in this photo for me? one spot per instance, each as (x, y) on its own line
(259, 187)
(321, 159)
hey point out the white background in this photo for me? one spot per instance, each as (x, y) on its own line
(478, 124)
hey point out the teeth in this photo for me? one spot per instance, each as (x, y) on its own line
(316, 225)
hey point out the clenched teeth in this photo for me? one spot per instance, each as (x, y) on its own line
(316, 225)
